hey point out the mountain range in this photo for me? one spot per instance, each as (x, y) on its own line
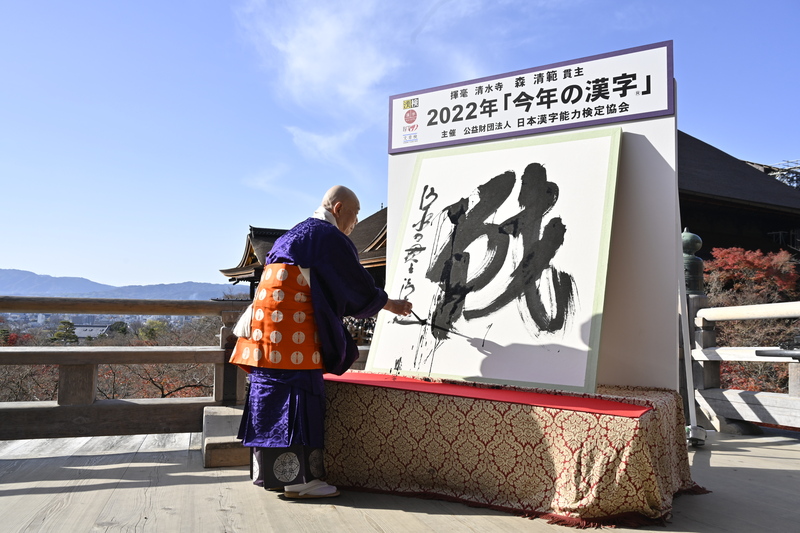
(24, 283)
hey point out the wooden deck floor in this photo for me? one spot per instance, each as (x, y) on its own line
(157, 483)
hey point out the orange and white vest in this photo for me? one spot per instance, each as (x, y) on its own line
(283, 334)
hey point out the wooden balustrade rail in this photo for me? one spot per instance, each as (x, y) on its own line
(115, 306)
(77, 412)
(748, 312)
(718, 403)
(111, 355)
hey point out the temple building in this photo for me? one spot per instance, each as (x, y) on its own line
(369, 237)
(731, 203)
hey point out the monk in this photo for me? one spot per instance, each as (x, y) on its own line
(312, 279)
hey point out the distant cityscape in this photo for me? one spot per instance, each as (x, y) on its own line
(86, 326)
(24, 283)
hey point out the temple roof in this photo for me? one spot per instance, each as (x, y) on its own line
(706, 171)
(259, 241)
(369, 237)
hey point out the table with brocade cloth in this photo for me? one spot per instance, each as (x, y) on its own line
(615, 457)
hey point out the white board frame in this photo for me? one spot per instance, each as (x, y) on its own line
(585, 164)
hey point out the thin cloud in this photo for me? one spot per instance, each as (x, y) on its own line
(277, 180)
(268, 178)
(328, 56)
(337, 56)
(335, 62)
(328, 148)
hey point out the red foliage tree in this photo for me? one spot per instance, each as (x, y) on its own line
(741, 277)
(14, 339)
(744, 277)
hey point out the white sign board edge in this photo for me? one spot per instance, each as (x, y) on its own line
(639, 345)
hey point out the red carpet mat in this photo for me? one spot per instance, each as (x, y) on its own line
(504, 394)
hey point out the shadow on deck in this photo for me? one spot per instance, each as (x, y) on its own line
(158, 483)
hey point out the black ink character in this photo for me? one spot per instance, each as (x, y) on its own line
(451, 263)
(539, 245)
(427, 198)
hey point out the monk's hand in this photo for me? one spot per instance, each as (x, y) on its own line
(398, 307)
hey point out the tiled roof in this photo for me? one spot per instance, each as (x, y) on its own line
(704, 170)
(259, 242)
(369, 236)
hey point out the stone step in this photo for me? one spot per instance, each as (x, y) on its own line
(221, 425)
(220, 445)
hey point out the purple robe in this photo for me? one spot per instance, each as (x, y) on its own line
(340, 286)
(286, 407)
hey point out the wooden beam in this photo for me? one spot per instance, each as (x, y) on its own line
(765, 407)
(736, 353)
(94, 355)
(115, 306)
(36, 420)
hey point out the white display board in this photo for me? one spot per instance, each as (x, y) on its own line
(503, 251)
(636, 344)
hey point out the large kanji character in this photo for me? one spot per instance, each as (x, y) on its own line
(537, 197)
(450, 264)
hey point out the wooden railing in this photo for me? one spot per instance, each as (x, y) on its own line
(77, 412)
(720, 404)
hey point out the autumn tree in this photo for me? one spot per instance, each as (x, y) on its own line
(25, 382)
(28, 383)
(40, 382)
(158, 380)
(10, 338)
(741, 277)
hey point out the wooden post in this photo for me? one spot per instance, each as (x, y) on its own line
(695, 300)
(228, 378)
(77, 384)
(702, 338)
(707, 338)
(706, 375)
(794, 379)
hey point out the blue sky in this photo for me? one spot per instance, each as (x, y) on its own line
(140, 140)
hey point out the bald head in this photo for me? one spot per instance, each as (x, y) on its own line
(338, 193)
(344, 205)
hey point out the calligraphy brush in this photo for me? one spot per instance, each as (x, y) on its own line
(421, 320)
(426, 322)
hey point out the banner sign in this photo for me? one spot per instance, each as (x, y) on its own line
(620, 86)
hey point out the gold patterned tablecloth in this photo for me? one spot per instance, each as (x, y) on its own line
(574, 467)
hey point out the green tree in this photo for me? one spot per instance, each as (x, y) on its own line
(117, 328)
(65, 333)
(153, 330)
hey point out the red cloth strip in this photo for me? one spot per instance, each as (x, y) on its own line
(539, 399)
